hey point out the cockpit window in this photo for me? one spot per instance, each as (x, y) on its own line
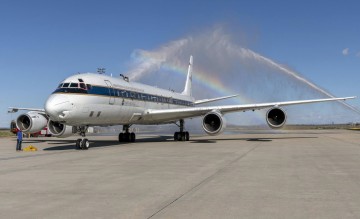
(74, 85)
(83, 86)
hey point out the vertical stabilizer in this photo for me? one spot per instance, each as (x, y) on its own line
(187, 90)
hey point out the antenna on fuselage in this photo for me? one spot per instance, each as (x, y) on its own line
(125, 78)
(101, 70)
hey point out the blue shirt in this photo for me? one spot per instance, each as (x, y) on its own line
(19, 135)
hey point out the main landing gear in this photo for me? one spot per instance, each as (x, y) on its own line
(181, 136)
(82, 143)
(126, 136)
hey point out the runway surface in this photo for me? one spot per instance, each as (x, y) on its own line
(292, 174)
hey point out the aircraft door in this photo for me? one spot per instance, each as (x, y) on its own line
(111, 92)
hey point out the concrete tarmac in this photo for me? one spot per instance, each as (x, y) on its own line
(291, 174)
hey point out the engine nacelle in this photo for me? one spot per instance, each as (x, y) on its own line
(214, 123)
(31, 122)
(60, 130)
(276, 118)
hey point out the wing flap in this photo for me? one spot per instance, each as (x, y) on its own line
(197, 102)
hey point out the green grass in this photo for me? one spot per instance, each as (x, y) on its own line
(6, 133)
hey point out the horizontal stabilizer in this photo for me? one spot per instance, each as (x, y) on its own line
(16, 109)
(214, 99)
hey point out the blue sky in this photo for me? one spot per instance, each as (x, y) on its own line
(43, 42)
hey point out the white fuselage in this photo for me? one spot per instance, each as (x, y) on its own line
(94, 99)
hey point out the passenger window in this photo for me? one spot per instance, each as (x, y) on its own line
(123, 93)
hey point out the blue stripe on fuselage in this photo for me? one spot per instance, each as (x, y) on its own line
(117, 93)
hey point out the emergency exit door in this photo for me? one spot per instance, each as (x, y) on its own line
(111, 92)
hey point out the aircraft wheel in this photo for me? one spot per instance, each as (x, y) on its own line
(78, 144)
(121, 137)
(85, 144)
(132, 137)
(187, 136)
(177, 136)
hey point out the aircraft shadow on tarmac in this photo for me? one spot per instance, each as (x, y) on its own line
(245, 139)
(70, 144)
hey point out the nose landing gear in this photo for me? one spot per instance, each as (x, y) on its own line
(82, 143)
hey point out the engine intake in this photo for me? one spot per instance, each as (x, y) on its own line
(31, 122)
(276, 118)
(60, 130)
(214, 123)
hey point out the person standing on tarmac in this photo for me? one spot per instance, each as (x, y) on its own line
(19, 140)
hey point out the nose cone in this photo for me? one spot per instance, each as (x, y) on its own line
(58, 107)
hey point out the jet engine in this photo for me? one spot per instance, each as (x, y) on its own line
(60, 130)
(276, 118)
(214, 123)
(31, 122)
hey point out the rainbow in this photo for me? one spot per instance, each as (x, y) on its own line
(200, 76)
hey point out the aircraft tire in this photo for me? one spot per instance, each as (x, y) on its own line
(121, 137)
(132, 137)
(85, 144)
(78, 144)
(187, 136)
(176, 136)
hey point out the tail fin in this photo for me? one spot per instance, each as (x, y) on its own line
(188, 90)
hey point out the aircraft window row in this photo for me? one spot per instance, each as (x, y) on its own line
(148, 97)
(87, 88)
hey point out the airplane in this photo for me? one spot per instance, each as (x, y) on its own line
(85, 100)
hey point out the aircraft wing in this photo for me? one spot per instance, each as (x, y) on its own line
(182, 113)
(16, 109)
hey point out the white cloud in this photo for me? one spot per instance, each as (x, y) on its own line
(345, 51)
